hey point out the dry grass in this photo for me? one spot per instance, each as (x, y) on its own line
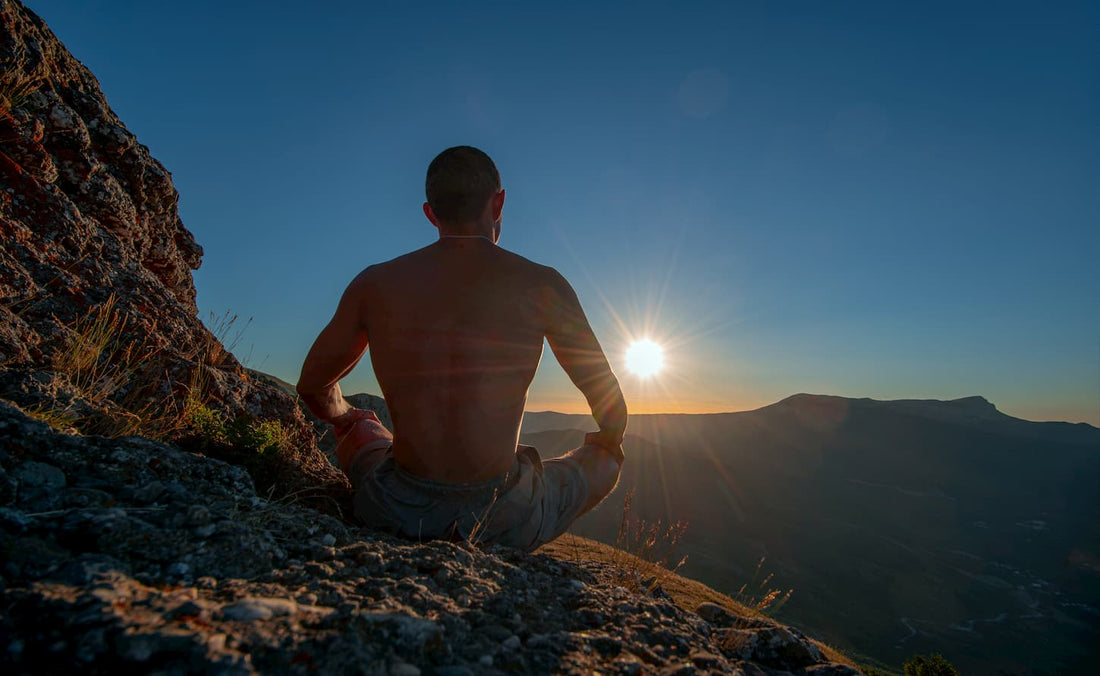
(645, 550)
(758, 597)
(16, 85)
(118, 375)
(641, 556)
(225, 336)
(60, 419)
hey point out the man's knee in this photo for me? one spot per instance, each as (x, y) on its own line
(363, 435)
(601, 471)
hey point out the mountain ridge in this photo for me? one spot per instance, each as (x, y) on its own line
(965, 410)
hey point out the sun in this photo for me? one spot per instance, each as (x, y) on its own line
(644, 358)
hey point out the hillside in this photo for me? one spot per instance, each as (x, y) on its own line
(970, 529)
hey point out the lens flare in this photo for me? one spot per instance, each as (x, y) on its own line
(644, 358)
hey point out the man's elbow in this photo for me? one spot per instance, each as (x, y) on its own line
(308, 391)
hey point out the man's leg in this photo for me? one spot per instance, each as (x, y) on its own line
(601, 470)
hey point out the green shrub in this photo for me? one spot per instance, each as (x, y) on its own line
(252, 444)
(256, 436)
(930, 665)
(208, 425)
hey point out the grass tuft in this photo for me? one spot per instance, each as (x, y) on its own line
(758, 597)
(62, 420)
(645, 550)
(16, 85)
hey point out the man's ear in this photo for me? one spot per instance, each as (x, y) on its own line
(430, 214)
(498, 205)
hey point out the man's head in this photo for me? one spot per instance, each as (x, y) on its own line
(463, 189)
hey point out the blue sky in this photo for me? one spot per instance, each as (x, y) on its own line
(867, 199)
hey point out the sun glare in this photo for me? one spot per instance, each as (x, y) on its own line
(644, 358)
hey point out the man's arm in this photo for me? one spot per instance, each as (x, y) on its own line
(334, 354)
(579, 353)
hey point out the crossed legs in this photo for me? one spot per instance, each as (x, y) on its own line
(600, 468)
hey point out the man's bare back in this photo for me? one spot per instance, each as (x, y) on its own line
(455, 333)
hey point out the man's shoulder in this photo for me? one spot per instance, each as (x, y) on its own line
(537, 271)
(382, 269)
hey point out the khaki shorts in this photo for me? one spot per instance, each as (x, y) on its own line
(533, 503)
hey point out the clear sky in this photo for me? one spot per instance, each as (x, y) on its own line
(882, 199)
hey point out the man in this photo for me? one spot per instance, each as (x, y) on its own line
(455, 332)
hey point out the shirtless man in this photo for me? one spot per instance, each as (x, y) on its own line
(455, 332)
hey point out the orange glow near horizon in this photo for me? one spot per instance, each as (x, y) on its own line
(642, 406)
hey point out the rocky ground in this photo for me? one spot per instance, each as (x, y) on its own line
(129, 554)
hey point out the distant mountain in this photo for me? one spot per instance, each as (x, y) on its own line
(903, 526)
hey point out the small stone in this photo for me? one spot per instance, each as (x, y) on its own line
(627, 667)
(148, 492)
(187, 609)
(404, 669)
(329, 540)
(140, 647)
(259, 608)
(40, 475)
(716, 614)
(178, 569)
(705, 660)
(13, 520)
(537, 640)
(608, 646)
(485, 660)
(590, 618)
(216, 642)
(511, 643)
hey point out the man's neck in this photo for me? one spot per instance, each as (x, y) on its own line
(486, 230)
(484, 237)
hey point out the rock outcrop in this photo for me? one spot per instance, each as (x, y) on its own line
(130, 555)
(89, 223)
(124, 553)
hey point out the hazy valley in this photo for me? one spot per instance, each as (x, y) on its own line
(903, 527)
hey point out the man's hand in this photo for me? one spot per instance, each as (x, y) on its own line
(612, 443)
(345, 422)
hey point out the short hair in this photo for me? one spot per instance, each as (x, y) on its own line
(460, 182)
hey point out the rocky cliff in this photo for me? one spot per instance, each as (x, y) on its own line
(92, 233)
(121, 549)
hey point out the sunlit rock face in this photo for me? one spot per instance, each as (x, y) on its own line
(88, 216)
